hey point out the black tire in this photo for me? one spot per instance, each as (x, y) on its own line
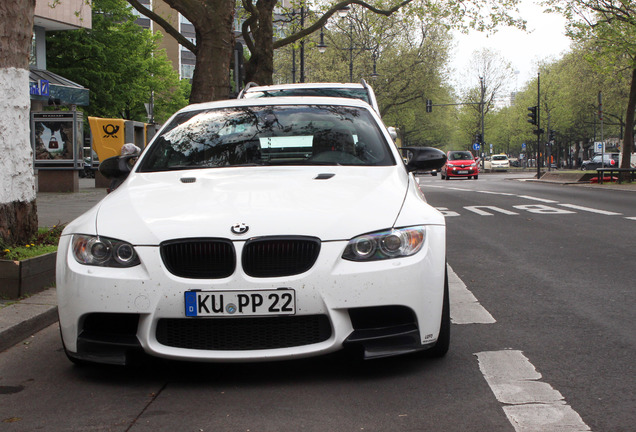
(443, 340)
(476, 177)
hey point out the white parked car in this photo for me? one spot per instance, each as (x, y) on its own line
(499, 162)
(259, 229)
(362, 91)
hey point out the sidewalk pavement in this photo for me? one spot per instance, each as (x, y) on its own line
(19, 319)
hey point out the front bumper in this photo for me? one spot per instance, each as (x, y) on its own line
(385, 307)
(452, 171)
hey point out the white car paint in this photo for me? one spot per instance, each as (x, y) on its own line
(152, 207)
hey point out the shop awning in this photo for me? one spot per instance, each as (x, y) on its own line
(47, 86)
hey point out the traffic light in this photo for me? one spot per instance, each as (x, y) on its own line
(532, 115)
(429, 105)
(552, 137)
(478, 138)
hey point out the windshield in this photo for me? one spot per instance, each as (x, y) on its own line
(351, 93)
(269, 135)
(460, 155)
(499, 158)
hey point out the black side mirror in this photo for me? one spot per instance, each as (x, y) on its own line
(117, 167)
(424, 158)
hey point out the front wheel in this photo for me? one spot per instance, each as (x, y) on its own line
(476, 177)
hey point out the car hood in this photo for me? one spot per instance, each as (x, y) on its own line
(460, 162)
(331, 203)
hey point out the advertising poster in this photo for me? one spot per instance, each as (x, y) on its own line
(54, 136)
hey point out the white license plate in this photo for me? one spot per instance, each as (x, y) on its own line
(240, 303)
(462, 172)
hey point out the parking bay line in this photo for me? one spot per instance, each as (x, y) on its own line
(465, 308)
(529, 404)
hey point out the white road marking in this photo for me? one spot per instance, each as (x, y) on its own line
(631, 218)
(477, 209)
(497, 193)
(530, 405)
(591, 210)
(446, 212)
(542, 209)
(465, 309)
(537, 199)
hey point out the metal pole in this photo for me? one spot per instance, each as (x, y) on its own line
(600, 114)
(302, 45)
(538, 125)
(293, 65)
(350, 51)
(482, 105)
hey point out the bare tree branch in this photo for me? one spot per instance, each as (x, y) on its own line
(164, 25)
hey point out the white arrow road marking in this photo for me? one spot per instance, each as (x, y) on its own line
(530, 405)
(465, 309)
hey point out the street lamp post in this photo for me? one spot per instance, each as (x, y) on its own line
(342, 13)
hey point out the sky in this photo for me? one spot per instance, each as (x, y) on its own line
(544, 39)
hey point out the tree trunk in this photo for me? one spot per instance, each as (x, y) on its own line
(260, 67)
(628, 139)
(18, 211)
(215, 44)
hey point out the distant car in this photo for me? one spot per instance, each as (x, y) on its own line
(257, 230)
(610, 161)
(362, 91)
(460, 164)
(499, 163)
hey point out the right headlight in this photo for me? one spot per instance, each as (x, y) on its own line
(103, 251)
(388, 244)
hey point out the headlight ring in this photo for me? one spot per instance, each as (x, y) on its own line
(103, 251)
(387, 244)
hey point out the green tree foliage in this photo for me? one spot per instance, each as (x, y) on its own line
(608, 27)
(214, 19)
(493, 76)
(410, 57)
(120, 63)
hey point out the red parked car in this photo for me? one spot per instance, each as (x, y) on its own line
(460, 164)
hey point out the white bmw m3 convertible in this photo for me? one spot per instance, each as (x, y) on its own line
(259, 229)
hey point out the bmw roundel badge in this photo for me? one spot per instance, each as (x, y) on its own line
(240, 228)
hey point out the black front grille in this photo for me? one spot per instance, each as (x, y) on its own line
(279, 256)
(240, 334)
(199, 258)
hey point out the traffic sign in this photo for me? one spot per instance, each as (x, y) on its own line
(476, 146)
(599, 147)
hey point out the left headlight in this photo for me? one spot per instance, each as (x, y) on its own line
(103, 251)
(394, 243)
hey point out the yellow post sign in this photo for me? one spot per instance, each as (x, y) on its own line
(108, 136)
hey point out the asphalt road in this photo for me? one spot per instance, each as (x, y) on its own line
(547, 342)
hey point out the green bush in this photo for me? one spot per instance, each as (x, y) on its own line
(43, 242)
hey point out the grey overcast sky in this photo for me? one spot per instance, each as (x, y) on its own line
(544, 39)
